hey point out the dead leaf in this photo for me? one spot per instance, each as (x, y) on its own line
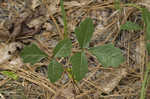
(65, 93)
(146, 3)
(16, 61)
(22, 21)
(48, 26)
(7, 51)
(35, 3)
(36, 22)
(108, 80)
(4, 34)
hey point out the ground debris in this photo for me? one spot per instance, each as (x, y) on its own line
(21, 19)
(108, 80)
(26, 21)
(146, 3)
(8, 54)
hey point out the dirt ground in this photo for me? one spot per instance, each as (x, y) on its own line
(23, 22)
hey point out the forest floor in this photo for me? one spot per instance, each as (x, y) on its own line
(40, 21)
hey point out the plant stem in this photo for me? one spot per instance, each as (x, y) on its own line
(145, 82)
(64, 18)
(134, 5)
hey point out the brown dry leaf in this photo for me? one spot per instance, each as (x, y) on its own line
(7, 51)
(48, 26)
(16, 61)
(53, 6)
(140, 49)
(36, 22)
(5, 25)
(21, 21)
(66, 93)
(146, 3)
(35, 3)
(4, 34)
(108, 80)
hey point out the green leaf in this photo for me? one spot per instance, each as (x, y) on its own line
(148, 47)
(148, 32)
(63, 48)
(55, 71)
(146, 15)
(130, 26)
(79, 65)
(32, 54)
(64, 18)
(84, 32)
(146, 18)
(108, 55)
(10, 74)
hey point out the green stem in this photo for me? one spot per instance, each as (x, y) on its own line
(64, 18)
(134, 5)
(144, 83)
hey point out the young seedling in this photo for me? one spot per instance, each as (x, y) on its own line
(107, 54)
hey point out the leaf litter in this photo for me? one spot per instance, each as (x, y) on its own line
(23, 20)
(8, 52)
